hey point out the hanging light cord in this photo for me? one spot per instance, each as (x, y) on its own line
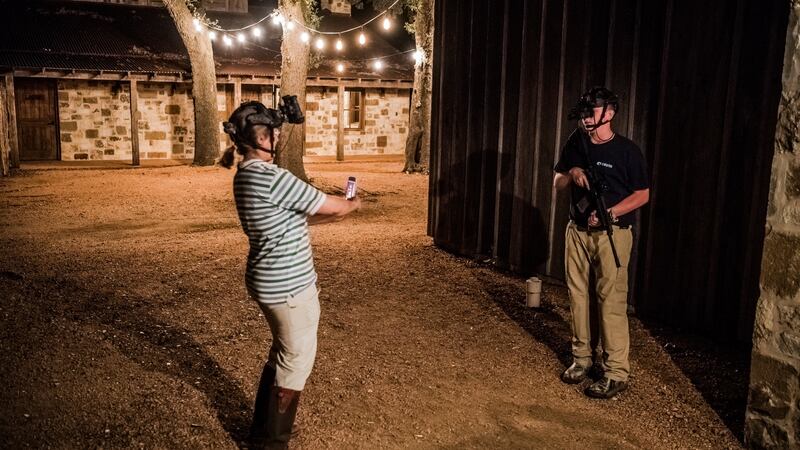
(229, 30)
(333, 33)
(253, 44)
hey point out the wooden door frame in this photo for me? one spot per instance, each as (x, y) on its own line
(57, 120)
(56, 116)
(11, 108)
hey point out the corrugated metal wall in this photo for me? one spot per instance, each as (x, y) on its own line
(699, 82)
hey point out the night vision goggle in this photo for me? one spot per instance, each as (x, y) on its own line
(253, 113)
(596, 97)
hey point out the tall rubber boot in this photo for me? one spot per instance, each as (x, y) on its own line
(280, 417)
(258, 429)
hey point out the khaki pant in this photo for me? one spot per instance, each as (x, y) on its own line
(590, 251)
(294, 337)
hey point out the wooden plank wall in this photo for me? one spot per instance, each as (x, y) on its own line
(699, 83)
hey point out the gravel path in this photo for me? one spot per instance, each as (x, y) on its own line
(124, 323)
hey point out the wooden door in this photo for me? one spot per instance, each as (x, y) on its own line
(227, 89)
(37, 119)
(224, 114)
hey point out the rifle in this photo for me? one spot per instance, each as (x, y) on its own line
(597, 186)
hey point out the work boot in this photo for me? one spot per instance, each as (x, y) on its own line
(258, 429)
(605, 388)
(575, 373)
(281, 412)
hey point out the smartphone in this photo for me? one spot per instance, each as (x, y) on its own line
(350, 189)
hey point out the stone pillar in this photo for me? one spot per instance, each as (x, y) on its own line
(773, 412)
(340, 123)
(336, 6)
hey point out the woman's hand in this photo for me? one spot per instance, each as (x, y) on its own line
(334, 209)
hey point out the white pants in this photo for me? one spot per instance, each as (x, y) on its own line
(293, 324)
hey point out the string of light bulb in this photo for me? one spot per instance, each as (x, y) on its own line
(278, 18)
(229, 35)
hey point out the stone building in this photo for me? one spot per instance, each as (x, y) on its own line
(74, 71)
(773, 413)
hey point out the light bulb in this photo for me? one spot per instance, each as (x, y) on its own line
(198, 28)
(240, 37)
(362, 39)
(387, 23)
(339, 45)
(378, 65)
(320, 44)
(340, 67)
(227, 40)
(212, 35)
(305, 37)
(418, 56)
(195, 21)
(277, 19)
(290, 25)
(257, 32)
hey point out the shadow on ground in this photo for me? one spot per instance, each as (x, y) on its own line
(545, 324)
(157, 346)
(719, 371)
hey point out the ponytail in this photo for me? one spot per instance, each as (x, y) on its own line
(226, 160)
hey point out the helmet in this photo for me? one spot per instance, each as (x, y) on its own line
(249, 114)
(596, 97)
(253, 113)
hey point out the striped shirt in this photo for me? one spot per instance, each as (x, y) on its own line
(273, 205)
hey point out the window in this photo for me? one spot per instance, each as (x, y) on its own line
(353, 109)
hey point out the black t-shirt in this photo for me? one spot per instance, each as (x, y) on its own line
(619, 162)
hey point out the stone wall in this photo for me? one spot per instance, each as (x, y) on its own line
(94, 120)
(385, 123)
(322, 128)
(166, 121)
(773, 413)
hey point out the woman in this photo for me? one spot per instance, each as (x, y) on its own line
(275, 209)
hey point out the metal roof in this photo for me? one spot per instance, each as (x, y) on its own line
(40, 34)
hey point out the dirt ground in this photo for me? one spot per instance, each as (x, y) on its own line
(125, 323)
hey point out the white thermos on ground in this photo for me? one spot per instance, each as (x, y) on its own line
(533, 290)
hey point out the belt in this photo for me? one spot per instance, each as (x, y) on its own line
(596, 229)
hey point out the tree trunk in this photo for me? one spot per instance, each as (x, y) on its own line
(294, 71)
(204, 84)
(418, 142)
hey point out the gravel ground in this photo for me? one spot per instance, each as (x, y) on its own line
(125, 323)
